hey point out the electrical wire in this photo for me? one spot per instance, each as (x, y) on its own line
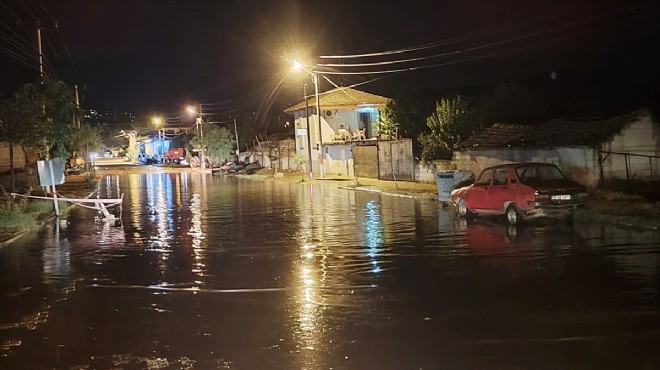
(17, 47)
(477, 57)
(451, 40)
(29, 46)
(502, 42)
(479, 47)
(18, 58)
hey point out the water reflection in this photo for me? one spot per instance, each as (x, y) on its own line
(373, 229)
(311, 269)
(197, 233)
(220, 272)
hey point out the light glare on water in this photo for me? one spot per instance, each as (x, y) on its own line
(220, 272)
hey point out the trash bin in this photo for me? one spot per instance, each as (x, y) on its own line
(447, 180)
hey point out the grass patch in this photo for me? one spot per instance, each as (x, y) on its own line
(14, 218)
(39, 207)
(621, 208)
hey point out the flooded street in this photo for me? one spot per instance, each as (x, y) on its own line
(224, 273)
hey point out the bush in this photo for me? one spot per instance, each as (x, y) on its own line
(14, 218)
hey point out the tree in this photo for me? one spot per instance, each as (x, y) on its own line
(20, 122)
(87, 138)
(41, 117)
(217, 143)
(387, 126)
(452, 122)
(59, 112)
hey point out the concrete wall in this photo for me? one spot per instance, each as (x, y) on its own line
(425, 173)
(579, 164)
(640, 137)
(339, 160)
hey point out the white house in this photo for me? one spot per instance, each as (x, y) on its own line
(352, 111)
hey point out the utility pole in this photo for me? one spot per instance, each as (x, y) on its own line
(309, 135)
(40, 55)
(238, 149)
(200, 122)
(315, 78)
(77, 105)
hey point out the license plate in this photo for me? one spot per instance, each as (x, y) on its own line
(561, 197)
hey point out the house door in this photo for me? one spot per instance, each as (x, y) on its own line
(365, 122)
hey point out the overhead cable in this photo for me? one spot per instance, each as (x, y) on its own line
(448, 41)
(464, 50)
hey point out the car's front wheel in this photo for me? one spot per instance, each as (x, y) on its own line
(513, 215)
(462, 209)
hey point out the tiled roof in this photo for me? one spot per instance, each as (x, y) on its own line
(552, 134)
(343, 98)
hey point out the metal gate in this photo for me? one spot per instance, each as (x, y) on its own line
(395, 159)
(365, 161)
(385, 160)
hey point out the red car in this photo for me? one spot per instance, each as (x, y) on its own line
(520, 191)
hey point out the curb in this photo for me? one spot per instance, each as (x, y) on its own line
(422, 196)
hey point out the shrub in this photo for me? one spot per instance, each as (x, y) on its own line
(14, 218)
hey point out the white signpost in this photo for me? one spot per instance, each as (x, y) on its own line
(51, 173)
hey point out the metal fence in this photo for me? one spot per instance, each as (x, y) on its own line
(637, 167)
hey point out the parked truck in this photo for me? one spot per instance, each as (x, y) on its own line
(174, 155)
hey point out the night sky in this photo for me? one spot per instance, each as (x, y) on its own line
(157, 56)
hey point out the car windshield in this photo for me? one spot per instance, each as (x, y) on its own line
(531, 174)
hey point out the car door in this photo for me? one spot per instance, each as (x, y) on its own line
(498, 191)
(479, 193)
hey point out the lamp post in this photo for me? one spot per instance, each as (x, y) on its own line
(315, 80)
(199, 122)
(158, 121)
(309, 135)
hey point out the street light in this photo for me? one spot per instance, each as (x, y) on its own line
(198, 118)
(315, 80)
(200, 129)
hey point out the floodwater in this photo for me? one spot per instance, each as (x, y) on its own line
(223, 273)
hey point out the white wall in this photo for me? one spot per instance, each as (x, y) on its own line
(578, 164)
(640, 137)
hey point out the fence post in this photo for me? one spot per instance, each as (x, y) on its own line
(601, 180)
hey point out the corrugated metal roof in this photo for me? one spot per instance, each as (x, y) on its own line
(343, 98)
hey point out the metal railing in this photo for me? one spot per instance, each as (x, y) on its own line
(627, 157)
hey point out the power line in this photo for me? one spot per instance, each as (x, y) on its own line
(477, 57)
(496, 43)
(17, 47)
(448, 41)
(31, 45)
(17, 57)
(28, 10)
(479, 47)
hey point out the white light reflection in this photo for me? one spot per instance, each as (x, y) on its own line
(160, 200)
(198, 236)
(373, 228)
